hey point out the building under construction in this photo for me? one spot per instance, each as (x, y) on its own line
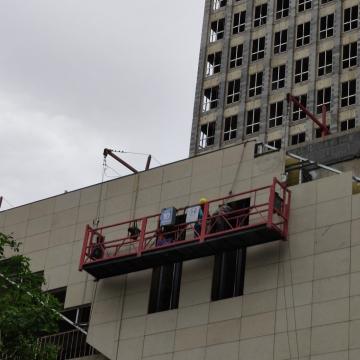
(245, 250)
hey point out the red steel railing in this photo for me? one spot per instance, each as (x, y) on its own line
(268, 205)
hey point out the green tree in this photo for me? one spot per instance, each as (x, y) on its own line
(25, 311)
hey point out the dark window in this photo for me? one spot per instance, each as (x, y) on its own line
(260, 15)
(297, 112)
(236, 56)
(347, 124)
(60, 295)
(239, 22)
(210, 99)
(351, 18)
(325, 1)
(282, 9)
(278, 77)
(256, 83)
(275, 143)
(303, 34)
(229, 266)
(233, 94)
(217, 30)
(217, 4)
(318, 132)
(230, 128)
(323, 98)
(165, 287)
(280, 41)
(213, 64)
(302, 70)
(348, 93)
(304, 5)
(79, 315)
(253, 121)
(258, 49)
(276, 114)
(325, 63)
(350, 55)
(207, 135)
(298, 138)
(228, 275)
(326, 26)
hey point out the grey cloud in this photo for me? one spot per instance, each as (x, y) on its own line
(123, 73)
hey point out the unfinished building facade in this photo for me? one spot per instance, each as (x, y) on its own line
(253, 53)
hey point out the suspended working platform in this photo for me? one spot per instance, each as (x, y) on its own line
(250, 218)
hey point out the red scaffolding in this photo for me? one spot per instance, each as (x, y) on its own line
(142, 243)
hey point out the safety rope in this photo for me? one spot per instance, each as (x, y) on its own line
(238, 168)
(44, 304)
(96, 220)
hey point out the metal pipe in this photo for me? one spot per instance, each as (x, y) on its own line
(320, 124)
(121, 161)
(147, 167)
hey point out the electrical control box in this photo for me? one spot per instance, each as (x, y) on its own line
(168, 216)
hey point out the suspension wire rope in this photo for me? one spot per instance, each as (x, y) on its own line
(43, 304)
(136, 153)
(96, 220)
(293, 306)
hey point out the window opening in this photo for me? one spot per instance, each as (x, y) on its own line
(260, 15)
(276, 114)
(253, 121)
(256, 83)
(347, 124)
(298, 138)
(350, 55)
(213, 65)
(217, 4)
(211, 97)
(236, 56)
(217, 30)
(351, 18)
(239, 22)
(323, 98)
(325, 63)
(348, 93)
(275, 143)
(278, 77)
(165, 288)
(326, 26)
(303, 34)
(233, 94)
(282, 9)
(280, 41)
(304, 5)
(258, 49)
(301, 70)
(230, 128)
(298, 114)
(229, 266)
(207, 135)
(318, 132)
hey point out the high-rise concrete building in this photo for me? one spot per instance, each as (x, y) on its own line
(253, 53)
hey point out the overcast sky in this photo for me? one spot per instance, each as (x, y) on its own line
(80, 75)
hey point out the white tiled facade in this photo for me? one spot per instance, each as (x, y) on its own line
(301, 297)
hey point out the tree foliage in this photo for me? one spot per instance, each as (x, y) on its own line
(26, 313)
